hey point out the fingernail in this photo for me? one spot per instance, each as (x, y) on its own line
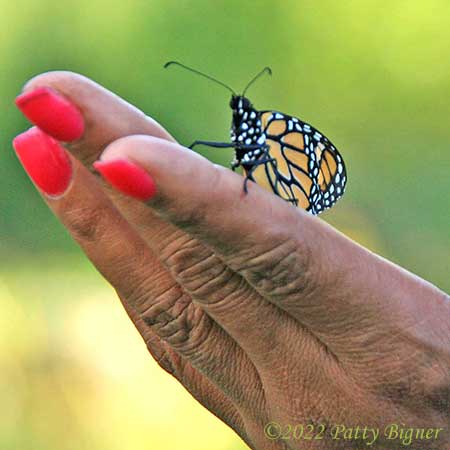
(52, 113)
(127, 177)
(45, 161)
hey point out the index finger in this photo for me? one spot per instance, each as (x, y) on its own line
(330, 284)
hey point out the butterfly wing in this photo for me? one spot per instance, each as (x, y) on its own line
(305, 168)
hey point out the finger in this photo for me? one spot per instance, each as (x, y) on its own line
(292, 259)
(58, 101)
(52, 100)
(125, 260)
(208, 201)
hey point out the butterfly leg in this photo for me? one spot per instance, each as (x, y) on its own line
(212, 144)
(235, 164)
(264, 160)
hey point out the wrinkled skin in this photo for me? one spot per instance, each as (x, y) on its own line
(263, 312)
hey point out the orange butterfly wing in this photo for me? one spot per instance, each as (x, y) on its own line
(309, 171)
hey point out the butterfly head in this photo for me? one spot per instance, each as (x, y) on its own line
(238, 102)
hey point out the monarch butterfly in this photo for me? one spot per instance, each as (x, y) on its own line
(281, 153)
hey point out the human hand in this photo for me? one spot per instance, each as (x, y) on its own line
(263, 312)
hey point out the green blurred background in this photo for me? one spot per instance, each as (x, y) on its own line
(374, 75)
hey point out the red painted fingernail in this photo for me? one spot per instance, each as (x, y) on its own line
(127, 177)
(52, 113)
(45, 161)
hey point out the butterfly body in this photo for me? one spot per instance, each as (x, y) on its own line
(246, 132)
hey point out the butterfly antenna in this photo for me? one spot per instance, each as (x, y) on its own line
(170, 63)
(266, 69)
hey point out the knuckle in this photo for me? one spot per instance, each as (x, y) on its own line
(200, 344)
(87, 223)
(184, 257)
(205, 273)
(170, 320)
(281, 270)
(198, 268)
(175, 319)
(216, 278)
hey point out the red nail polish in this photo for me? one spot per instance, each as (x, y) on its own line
(52, 113)
(45, 161)
(127, 177)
